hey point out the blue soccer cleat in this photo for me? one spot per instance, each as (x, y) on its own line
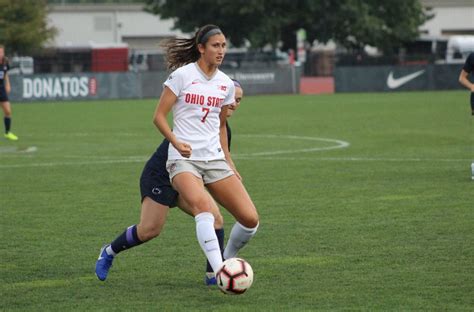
(103, 264)
(210, 279)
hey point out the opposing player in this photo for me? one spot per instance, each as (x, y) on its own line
(157, 197)
(5, 89)
(198, 93)
(467, 69)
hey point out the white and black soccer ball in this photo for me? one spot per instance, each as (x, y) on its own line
(235, 276)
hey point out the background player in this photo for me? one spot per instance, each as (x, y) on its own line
(5, 89)
(467, 70)
(464, 77)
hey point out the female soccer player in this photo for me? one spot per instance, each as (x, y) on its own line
(466, 70)
(4, 91)
(157, 197)
(198, 93)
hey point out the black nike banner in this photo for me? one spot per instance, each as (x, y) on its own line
(397, 78)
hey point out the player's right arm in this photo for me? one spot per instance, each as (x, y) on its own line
(7, 84)
(6, 79)
(167, 100)
(463, 79)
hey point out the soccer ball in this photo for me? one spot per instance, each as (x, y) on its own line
(235, 276)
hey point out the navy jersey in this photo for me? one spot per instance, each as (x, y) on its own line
(469, 65)
(157, 162)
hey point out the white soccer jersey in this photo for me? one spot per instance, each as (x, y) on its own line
(196, 111)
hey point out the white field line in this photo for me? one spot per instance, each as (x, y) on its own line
(17, 150)
(143, 159)
(338, 144)
(84, 134)
(77, 163)
(359, 159)
(270, 155)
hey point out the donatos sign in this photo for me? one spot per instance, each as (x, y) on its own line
(59, 87)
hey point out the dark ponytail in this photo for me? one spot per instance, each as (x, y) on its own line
(180, 52)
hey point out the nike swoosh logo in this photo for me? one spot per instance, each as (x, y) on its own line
(207, 241)
(394, 83)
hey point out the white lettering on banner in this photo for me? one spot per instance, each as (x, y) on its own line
(37, 88)
(65, 81)
(48, 87)
(74, 87)
(264, 78)
(84, 86)
(27, 88)
(56, 87)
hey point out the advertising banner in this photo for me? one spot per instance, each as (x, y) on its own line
(128, 85)
(397, 78)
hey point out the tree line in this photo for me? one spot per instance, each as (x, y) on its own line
(353, 24)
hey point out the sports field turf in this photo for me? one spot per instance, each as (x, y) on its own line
(385, 223)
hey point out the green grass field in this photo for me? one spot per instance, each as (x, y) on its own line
(386, 223)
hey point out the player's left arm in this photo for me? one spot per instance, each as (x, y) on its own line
(463, 79)
(7, 84)
(223, 139)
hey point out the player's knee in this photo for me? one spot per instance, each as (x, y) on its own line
(202, 205)
(145, 233)
(250, 221)
(218, 220)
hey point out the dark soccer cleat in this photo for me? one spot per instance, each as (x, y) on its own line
(210, 279)
(103, 264)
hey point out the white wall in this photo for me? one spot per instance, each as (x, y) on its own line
(145, 24)
(82, 24)
(80, 28)
(450, 18)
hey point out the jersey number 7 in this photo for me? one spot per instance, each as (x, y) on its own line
(206, 112)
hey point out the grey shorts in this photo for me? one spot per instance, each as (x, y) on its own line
(209, 171)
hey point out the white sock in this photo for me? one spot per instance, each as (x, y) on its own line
(207, 238)
(239, 237)
(110, 251)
